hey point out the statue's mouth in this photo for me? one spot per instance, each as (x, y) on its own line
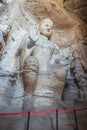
(48, 30)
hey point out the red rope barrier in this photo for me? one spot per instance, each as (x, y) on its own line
(40, 112)
(13, 114)
(65, 111)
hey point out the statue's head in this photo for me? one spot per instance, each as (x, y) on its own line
(5, 29)
(46, 27)
(31, 63)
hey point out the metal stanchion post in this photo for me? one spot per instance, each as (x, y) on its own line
(76, 124)
(56, 119)
(28, 121)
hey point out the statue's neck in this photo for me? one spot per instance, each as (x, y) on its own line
(43, 36)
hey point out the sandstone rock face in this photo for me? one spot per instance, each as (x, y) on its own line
(79, 9)
(52, 10)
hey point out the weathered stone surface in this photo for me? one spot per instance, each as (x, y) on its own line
(51, 84)
(30, 74)
(79, 68)
(68, 30)
(52, 10)
(79, 9)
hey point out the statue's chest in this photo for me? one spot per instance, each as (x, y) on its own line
(44, 46)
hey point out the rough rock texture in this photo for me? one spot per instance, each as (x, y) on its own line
(79, 9)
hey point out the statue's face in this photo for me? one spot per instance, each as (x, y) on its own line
(31, 63)
(46, 28)
(5, 29)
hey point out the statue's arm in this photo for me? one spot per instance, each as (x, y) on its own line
(30, 39)
(27, 43)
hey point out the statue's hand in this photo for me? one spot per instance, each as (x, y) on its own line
(4, 29)
(34, 33)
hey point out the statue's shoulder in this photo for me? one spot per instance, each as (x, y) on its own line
(54, 45)
(51, 43)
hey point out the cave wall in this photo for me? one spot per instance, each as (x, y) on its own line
(79, 9)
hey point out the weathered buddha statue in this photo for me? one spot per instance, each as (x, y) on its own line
(38, 45)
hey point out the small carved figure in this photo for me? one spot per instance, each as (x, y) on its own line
(4, 29)
(29, 74)
(79, 70)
